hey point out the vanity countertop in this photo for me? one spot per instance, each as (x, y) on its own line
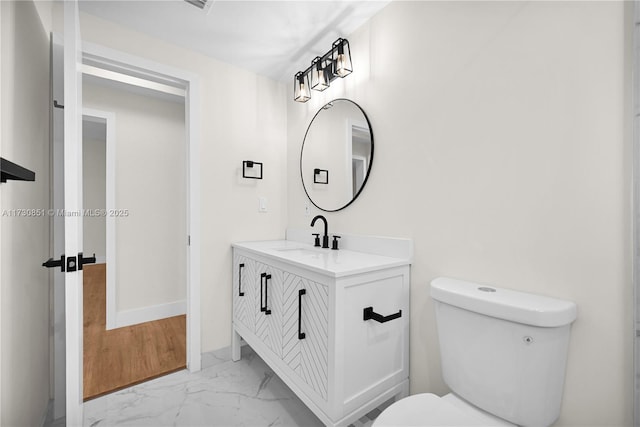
(338, 263)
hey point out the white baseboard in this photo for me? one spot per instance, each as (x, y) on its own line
(148, 314)
(48, 412)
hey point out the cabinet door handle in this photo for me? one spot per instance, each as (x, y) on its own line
(301, 335)
(264, 278)
(266, 294)
(369, 314)
(240, 293)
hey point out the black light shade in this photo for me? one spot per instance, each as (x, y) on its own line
(301, 87)
(341, 56)
(319, 75)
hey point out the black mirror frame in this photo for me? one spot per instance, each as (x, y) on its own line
(366, 178)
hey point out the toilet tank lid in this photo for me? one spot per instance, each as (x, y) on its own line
(507, 304)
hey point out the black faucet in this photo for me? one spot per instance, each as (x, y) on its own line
(325, 238)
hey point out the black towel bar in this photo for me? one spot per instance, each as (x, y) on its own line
(369, 314)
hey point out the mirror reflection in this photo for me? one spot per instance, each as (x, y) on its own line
(337, 153)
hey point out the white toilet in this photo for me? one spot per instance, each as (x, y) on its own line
(503, 356)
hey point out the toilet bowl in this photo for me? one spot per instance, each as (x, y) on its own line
(429, 410)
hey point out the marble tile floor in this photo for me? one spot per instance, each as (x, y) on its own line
(223, 393)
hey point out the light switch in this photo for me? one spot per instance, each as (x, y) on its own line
(262, 204)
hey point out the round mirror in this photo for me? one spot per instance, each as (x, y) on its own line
(337, 153)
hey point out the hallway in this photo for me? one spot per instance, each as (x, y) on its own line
(119, 358)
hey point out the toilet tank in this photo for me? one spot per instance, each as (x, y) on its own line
(504, 351)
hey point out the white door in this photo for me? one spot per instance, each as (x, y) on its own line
(73, 212)
(59, 377)
(67, 220)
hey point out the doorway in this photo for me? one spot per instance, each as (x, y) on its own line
(359, 151)
(149, 341)
(94, 59)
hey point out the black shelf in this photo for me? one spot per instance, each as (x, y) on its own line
(16, 172)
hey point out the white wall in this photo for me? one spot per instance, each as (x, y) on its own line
(94, 191)
(243, 118)
(501, 148)
(24, 243)
(151, 185)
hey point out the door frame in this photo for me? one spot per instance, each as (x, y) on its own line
(73, 223)
(635, 208)
(109, 120)
(131, 65)
(351, 125)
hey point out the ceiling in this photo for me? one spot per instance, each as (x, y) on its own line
(271, 38)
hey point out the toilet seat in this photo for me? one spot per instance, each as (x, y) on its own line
(429, 410)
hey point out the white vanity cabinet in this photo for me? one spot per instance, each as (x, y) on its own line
(304, 312)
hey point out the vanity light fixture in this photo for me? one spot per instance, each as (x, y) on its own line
(323, 69)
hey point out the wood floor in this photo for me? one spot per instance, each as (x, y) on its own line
(121, 357)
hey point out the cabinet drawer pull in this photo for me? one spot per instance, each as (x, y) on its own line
(264, 278)
(369, 314)
(240, 266)
(301, 335)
